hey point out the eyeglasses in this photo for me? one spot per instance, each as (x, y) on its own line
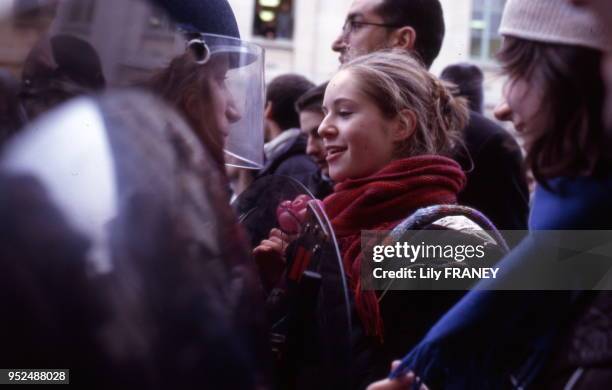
(351, 25)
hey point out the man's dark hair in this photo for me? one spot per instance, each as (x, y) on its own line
(283, 92)
(469, 79)
(425, 17)
(312, 100)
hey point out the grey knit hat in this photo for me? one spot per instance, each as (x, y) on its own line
(555, 21)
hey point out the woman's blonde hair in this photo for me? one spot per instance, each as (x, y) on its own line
(395, 80)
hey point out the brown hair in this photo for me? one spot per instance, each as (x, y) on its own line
(573, 141)
(426, 17)
(283, 92)
(312, 100)
(180, 82)
(395, 80)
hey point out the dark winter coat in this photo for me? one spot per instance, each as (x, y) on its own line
(290, 159)
(497, 184)
(583, 358)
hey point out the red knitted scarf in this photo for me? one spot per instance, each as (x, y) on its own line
(380, 202)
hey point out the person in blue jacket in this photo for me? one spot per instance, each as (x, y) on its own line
(552, 54)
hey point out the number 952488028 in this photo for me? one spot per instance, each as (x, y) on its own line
(34, 376)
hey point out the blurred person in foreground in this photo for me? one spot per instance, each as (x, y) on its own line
(552, 54)
(491, 158)
(115, 216)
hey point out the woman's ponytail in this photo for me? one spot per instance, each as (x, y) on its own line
(450, 112)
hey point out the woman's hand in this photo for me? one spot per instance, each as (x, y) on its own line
(270, 256)
(404, 382)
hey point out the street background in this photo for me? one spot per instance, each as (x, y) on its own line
(297, 36)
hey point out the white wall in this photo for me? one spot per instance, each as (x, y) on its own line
(244, 11)
(318, 23)
(456, 44)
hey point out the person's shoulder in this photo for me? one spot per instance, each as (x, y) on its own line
(484, 127)
(298, 143)
(295, 148)
(299, 158)
(293, 158)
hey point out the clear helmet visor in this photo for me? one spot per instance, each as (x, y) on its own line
(61, 49)
(238, 88)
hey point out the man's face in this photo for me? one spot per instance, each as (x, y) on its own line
(309, 123)
(359, 39)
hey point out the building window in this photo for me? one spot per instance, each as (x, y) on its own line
(484, 27)
(273, 19)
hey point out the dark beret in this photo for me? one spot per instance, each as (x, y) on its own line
(207, 16)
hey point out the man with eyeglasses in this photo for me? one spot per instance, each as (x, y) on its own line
(380, 24)
(497, 184)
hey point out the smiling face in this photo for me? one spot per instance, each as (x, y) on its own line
(522, 106)
(359, 140)
(361, 39)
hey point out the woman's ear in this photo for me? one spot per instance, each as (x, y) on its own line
(404, 38)
(406, 125)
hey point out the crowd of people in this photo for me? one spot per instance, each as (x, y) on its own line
(134, 191)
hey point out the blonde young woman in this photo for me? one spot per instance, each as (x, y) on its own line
(389, 126)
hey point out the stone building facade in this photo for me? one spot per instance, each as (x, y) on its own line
(470, 36)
